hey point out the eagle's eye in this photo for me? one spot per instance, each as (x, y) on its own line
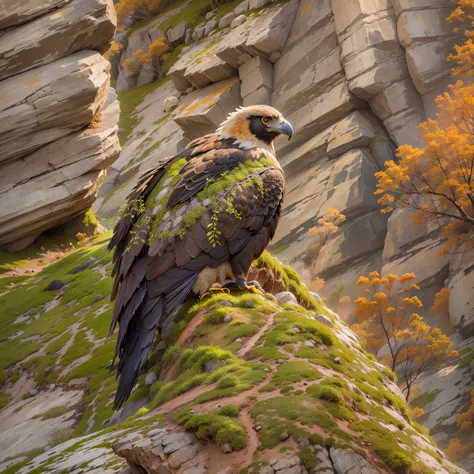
(266, 120)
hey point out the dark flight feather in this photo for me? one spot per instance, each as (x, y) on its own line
(154, 277)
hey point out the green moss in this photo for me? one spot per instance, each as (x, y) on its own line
(79, 348)
(423, 399)
(292, 372)
(390, 374)
(308, 458)
(54, 412)
(228, 381)
(326, 392)
(129, 101)
(229, 410)
(268, 353)
(211, 426)
(4, 399)
(466, 360)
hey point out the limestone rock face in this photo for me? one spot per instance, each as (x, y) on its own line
(16, 13)
(81, 24)
(58, 116)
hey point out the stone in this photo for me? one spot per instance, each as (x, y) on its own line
(184, 439)
(200, 67)
(183, 455)
(188, 36)
(84, 266)
(337, 360)
(241, 8)
(283, 437)
(253, 4)
(198, 34)
(363, 236)
(226, 20)
(286, 463)
(210, 26)
(14, 14)
(270, 30)
(170, 102)
(237, 21)
(431, 25)
(51, 102)
(263, 95)
(322, 318)
(427, 64)
(55, 285)
(357, 130)
(286, 297)
(80, 25)
(227, 319)
(226, 303)
(346, 461)
(226, 448)
(203, 110)
(212, 365)
(33, 393)
(296, 329)
(255, 73)
(310, 344)
(238, 340)
(177, 34)
(150, 379)
(98, 298)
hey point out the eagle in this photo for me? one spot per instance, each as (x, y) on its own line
(195, 221)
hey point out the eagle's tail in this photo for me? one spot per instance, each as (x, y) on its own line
(159, 299)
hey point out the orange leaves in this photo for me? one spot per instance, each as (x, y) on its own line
(441, 302)
(152, 57)
(113, 51)
(438, 180)
(417, 412)
(463, 55)
(386, 310)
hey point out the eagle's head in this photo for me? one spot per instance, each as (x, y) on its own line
(255, 126)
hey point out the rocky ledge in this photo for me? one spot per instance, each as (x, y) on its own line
(58, 115)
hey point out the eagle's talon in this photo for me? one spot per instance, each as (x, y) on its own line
(242, 285)
(215, 290)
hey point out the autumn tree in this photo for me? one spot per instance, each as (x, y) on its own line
(114, 50)
(327, 226)
(154, 57)
(438, 180)
(386, 315)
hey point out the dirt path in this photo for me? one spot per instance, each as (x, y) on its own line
(191, 327)
(250, 343)
(252, 438)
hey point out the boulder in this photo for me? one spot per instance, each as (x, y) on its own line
(199, 67)
(177, 34)
(203, 110)
(226, 20)
(150, 379)
(241, 8)
(55, 285)
(16, 13)
(82, 24)
(210, 26)
(270, 31)
(51, 102)
(286, 297)
(57, 182)
(346, 461)
(255, 73)
(238, 20)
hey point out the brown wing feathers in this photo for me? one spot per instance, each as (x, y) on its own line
(151, 283)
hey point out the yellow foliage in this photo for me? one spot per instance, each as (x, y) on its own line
(386, 315)
(153, 57)
(142, 9)
(466, 419)
(441, 302)
(437, 181)
(318, 284)
(113, 51)
(417, 412)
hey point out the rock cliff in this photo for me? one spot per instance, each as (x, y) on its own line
(58, 114)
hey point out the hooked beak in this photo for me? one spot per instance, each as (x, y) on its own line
(284, 128)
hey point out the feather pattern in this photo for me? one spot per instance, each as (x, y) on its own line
(160, 251)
